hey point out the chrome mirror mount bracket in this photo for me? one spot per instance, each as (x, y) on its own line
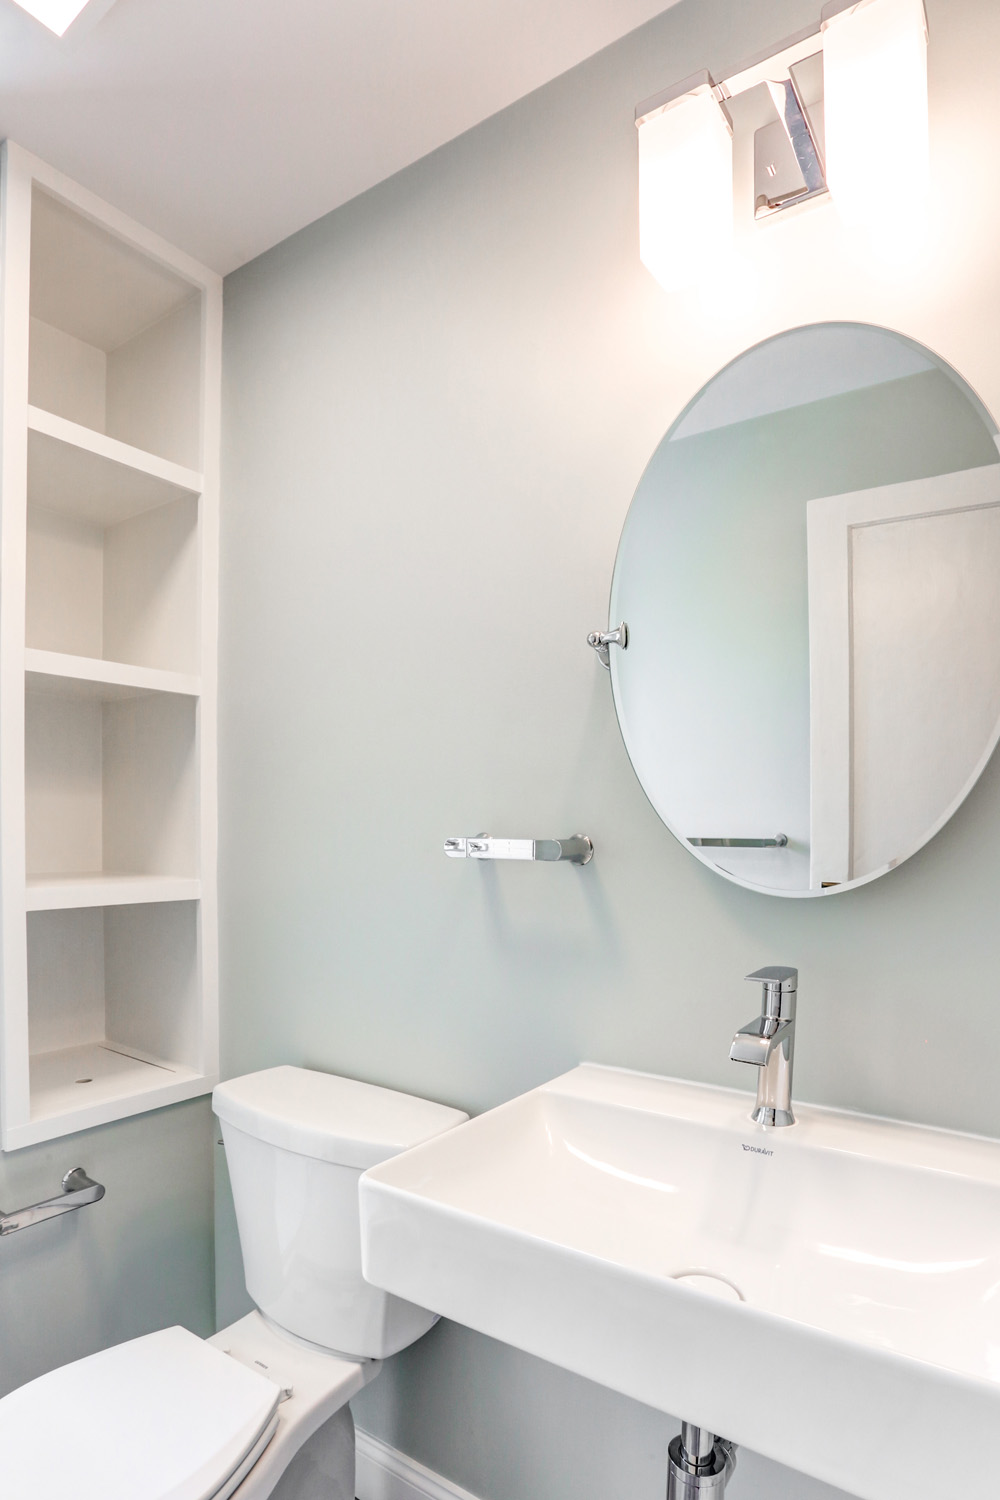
(602, 641)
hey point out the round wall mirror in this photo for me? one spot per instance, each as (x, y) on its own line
(810, 576)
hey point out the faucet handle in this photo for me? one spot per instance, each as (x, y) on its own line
(788, 979)
(780, 987)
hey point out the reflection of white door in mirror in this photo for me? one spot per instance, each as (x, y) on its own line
(904, 664)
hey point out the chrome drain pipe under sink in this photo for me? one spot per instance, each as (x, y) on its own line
(700, 1464)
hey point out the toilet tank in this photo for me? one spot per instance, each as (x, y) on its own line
(296, 1143)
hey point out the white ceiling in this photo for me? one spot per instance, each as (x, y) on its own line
(228, 124)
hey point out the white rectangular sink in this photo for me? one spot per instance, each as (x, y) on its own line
(827, 1293)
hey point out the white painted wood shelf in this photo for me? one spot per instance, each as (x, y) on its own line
(108, 624)
(106, 888)
(78, 1087)
(77, 471)
(66, 676)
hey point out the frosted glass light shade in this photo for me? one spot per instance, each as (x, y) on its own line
(875, 103)
(685, 190)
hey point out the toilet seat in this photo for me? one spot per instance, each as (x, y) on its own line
(163, 1417)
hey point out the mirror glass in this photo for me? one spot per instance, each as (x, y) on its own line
(810, 576)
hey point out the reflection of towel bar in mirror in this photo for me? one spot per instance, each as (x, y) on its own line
(779, 841)
(578, 850)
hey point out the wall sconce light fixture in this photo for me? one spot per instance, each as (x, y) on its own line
(865, 141)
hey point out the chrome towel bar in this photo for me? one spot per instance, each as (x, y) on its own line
(78, 1191)
(578, 850)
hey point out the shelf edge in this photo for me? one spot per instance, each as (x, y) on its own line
(112, 673)
(120, 890)
(49, 424)
(51, 1127)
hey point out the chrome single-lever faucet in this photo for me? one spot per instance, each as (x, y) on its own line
(768, 1043)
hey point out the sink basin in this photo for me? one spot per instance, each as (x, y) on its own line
(827, 1294)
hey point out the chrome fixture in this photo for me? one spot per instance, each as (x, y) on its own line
(77, 1191)
(798, 129)
(700, 1464)
(601, 640)
(768, 1043)
(872, 57)
(777, 74)
(578, 850)
(780, 841)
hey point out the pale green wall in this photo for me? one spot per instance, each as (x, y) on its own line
(140, 1259)
(438, 402)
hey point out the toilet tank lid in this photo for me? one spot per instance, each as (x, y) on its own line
(329, 1118)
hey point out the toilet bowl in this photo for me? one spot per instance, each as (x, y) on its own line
(260, 1409)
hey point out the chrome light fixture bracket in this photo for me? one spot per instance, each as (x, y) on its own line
(789, 165)
(701, 82)
(787, 155)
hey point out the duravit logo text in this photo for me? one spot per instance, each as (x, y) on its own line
(757, 1150)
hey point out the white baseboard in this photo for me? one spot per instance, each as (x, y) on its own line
(383, 1473)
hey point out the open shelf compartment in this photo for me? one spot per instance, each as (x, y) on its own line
(115, 335)
(113, 1013)
(112, 558)
(110, 784)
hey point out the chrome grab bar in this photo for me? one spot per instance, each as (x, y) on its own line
(77, 1191)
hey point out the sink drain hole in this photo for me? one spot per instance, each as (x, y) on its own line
(710, 1282)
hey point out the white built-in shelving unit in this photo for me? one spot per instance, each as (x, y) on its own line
(109, 401)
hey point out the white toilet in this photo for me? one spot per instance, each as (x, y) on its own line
(261, 1408)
